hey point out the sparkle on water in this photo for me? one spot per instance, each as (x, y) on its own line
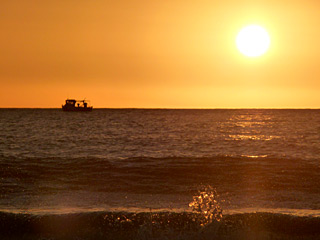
(207, 205)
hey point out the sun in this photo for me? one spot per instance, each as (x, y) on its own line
(253, 41)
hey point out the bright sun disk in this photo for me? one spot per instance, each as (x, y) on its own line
(253, 41)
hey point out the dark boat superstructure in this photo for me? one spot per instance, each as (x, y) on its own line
(73, 105)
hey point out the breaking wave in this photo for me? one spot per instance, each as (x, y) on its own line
(204, 221)
(156, 225)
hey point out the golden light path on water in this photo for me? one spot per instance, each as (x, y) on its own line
(245, 123)
(252, 137)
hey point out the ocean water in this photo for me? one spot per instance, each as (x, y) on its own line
(160, 174)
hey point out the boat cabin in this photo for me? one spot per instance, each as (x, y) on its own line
(76, 105)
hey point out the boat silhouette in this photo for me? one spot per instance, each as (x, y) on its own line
(73, 105)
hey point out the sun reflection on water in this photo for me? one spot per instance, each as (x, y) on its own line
(251, 137)
(253, 126)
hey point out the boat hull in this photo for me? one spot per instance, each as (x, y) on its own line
(76, 109)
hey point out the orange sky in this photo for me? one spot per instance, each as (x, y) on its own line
(158, 54)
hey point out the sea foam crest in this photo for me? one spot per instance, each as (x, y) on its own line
(206, 203)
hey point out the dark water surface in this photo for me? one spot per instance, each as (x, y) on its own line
(263, 164)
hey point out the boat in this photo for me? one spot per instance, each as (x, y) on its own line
(73, 105)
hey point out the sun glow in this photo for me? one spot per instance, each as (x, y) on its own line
(253, 41)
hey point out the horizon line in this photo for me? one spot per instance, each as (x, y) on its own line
(173, 108)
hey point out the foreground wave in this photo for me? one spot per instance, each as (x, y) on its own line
(156, 225)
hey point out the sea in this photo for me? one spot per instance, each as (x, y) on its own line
(160, 174)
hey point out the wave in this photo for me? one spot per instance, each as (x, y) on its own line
(243, 182)
(156, 225)
(150, 175)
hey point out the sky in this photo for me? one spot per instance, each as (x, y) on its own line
(158, 54)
